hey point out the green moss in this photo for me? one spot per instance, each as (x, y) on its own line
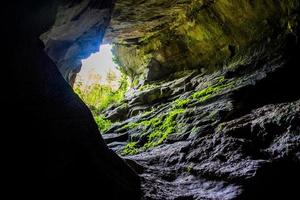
(146, 87)
(98, 96)
(181, 103)
(161, 128)
(130, 125)
(152, 122)
(147, 112)
(199, 33)
(180, 74)
(189, 168)
(130, 149)
(219, 86)
(135, 82)
(195, 130)
(204, 94)
(103, 124)
(146, 123)
(221, 126)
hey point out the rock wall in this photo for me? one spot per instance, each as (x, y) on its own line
(156, 38)
(54, 146)
(215, 116)
(232, 134)
(76, 34)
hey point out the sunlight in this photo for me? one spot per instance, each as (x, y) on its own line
(96, 68)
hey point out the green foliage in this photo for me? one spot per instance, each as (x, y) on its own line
(147, 112)
(135, 82)
(146, 87)
(206, 93)
(180, 103)
(130, 148)
(146, 123)
(98, 97)
(103, 124)
(161, 128)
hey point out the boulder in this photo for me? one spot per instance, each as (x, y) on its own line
(119, 113)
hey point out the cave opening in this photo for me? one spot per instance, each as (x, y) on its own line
(101, 84)
(99, 67)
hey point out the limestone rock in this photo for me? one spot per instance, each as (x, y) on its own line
(225, 143)
(76, 34)
(156, 38)
(117, 114)
(229, 130)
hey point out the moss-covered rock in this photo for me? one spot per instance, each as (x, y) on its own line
(162, 37)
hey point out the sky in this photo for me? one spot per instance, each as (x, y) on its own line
(98, 64)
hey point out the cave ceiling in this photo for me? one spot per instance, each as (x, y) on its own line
(166, 36)
(153, 39)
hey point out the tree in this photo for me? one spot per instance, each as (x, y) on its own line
(93, 77)
(111, 77)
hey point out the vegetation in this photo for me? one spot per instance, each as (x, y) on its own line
(146, 123)
(206, 93)
(181, 103)
(131, 62)
(164, 129)
(147, 112)
(189, 168)
(146, 87)
(99, 96)
(130, 148)
(161, 128)
(103, 124)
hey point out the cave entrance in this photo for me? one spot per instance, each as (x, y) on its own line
(100, 83)
(99, 68)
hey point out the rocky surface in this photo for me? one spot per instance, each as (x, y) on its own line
(155, 38)
(76, 34)
(227, 162)
(54, 149)
(213, 114)
(236, 135)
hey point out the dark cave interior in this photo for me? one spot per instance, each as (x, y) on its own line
(236, 136)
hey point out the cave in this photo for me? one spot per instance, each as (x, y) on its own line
(212, 110)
